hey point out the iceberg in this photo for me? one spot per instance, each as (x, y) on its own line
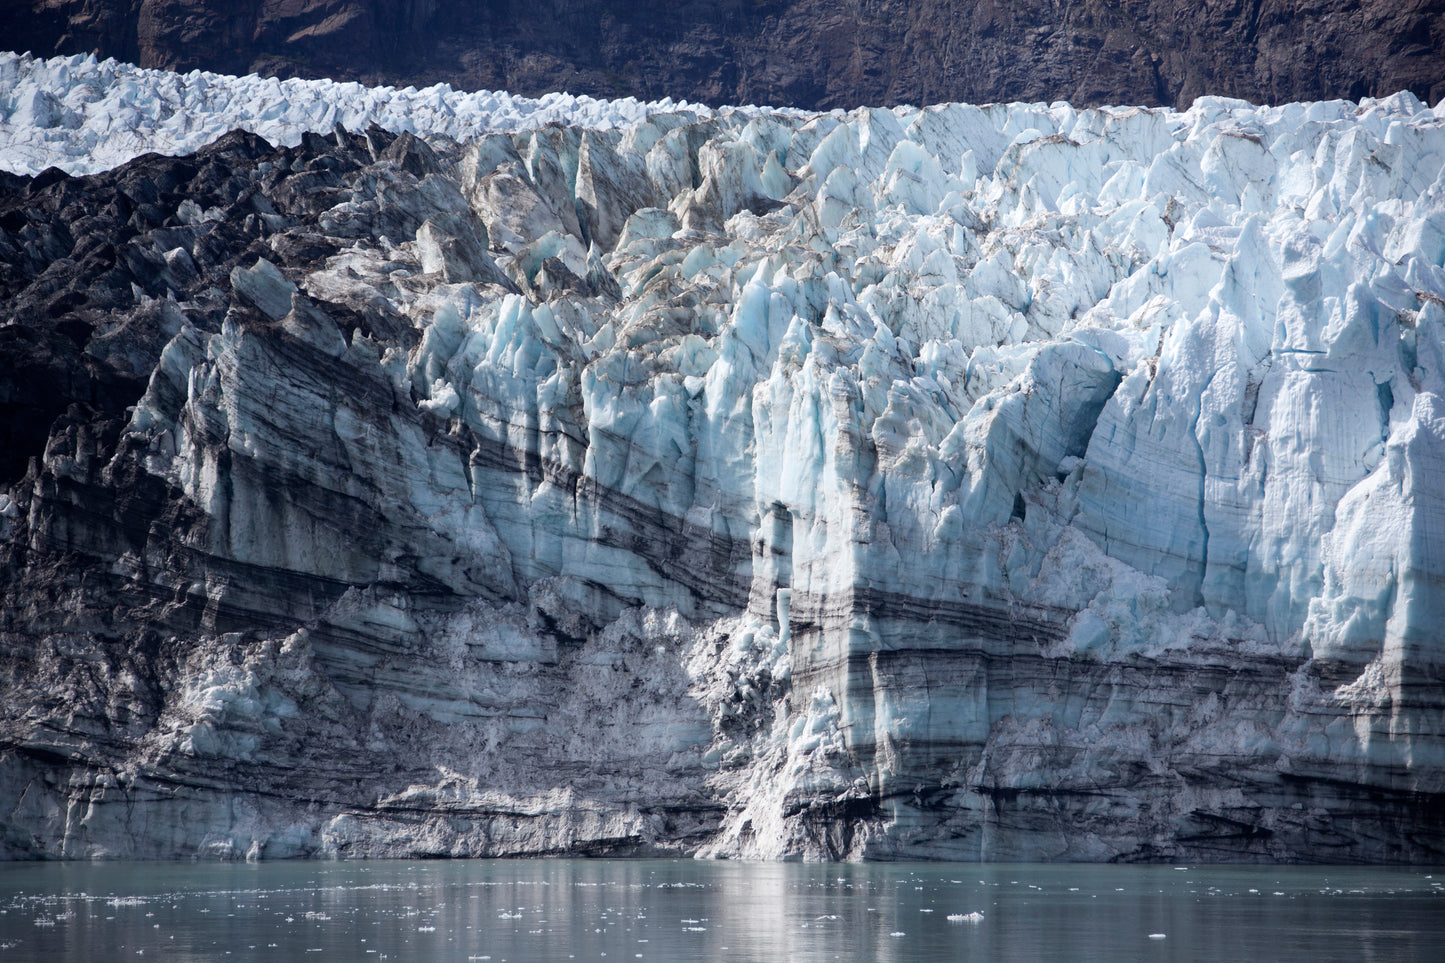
(484, 477)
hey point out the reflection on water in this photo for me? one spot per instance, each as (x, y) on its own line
(621, 910)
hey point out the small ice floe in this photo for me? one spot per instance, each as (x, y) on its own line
(974, 917)
(1156, 936)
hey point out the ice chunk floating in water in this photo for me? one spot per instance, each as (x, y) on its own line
(967, 482)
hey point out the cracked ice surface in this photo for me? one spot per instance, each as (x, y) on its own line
(1017, 481)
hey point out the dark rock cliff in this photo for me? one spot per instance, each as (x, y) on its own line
(806, 53)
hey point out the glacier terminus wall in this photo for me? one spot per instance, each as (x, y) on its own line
(1011, 482)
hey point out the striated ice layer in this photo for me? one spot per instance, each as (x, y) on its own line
(1007, 482)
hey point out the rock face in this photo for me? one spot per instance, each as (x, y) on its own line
(1006, 483)
(806, 53)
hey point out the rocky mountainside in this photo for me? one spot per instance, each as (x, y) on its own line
(806, 53)
(1007, 483)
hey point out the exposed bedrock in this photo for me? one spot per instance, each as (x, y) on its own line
(803, 53)
(1015, 483)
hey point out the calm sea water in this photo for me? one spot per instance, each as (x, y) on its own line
(628, 910)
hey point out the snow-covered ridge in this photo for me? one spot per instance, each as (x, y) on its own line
(84, 115)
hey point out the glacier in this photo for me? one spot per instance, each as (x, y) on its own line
(1008, 482)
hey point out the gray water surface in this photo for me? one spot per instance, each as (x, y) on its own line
(628, 910)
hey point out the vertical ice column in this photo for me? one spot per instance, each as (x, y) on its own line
(785, 602)
(772, 559)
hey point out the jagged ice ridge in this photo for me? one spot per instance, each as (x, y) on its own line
(1004, 482)
(84, 115)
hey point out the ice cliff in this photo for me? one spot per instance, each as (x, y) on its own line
(1005, 482)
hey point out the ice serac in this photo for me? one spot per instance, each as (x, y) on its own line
(975, 483)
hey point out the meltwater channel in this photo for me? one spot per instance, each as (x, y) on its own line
(628, 910)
